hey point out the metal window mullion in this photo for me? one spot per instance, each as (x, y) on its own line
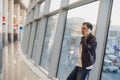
(78, 4)
(52, 13)
(41, 38)
(101, 35)
(56, 48)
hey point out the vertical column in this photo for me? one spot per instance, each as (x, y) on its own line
(11, 44)
(17, 12)
(10, 18)
(24, 17)
(18, 18)
(58, 39)
(1, 35)
(101, 35)
(5, 41)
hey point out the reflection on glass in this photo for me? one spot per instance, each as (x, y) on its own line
(72, 36)
(49, 38)
(41, 8)
(111, 64)
(55, 4)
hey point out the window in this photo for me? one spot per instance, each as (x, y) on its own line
(28, 33)
(55, 4)
(72, 35)
(31, 39)
(36, 53)
(49, 39)
(111, 64)
(24, 39)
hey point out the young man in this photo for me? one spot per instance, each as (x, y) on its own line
(87, 54)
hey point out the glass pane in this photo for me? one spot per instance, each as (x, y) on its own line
(49, 38)
(41, 9)
(55, 4)
(72, 36)
(24, 38)
(31, 41)
(28, 37)
(111, 64)
(36, 48)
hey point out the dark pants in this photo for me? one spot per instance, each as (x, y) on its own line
(78, 73)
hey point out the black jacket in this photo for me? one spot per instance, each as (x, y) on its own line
(89, 45)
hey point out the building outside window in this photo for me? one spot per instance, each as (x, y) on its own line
(111, 64)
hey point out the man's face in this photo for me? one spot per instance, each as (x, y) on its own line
(84, 29)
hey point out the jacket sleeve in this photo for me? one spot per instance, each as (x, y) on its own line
(90, 43)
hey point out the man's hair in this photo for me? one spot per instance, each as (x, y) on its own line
(89, 25)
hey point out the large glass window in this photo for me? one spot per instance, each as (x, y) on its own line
(49, 38)
(111, 64)
(24, 38)
(55, 4)
(28, 33)
(36, 53)
(72, 35)
(31, 41)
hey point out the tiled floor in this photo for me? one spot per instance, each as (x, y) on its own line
(18, 69)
